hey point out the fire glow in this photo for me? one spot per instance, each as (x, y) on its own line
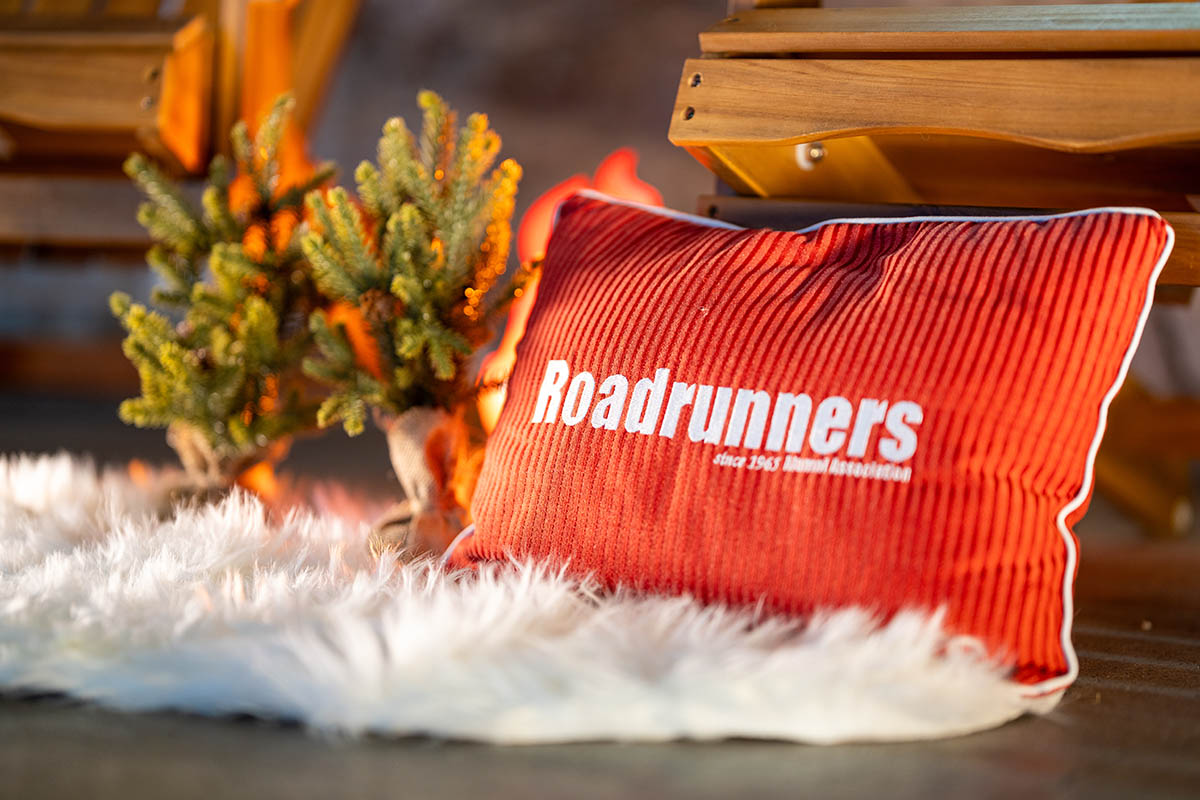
(280, 493)
(615, 176)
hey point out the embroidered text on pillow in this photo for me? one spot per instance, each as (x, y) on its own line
(747, 418)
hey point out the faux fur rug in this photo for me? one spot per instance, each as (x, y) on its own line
(222, 609)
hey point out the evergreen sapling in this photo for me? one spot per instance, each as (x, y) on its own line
(410, 263)
(222, 373)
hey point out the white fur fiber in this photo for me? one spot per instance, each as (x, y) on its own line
(222, 609)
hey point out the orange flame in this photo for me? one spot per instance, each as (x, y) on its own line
(455, 458)
(261, 480)
(617, 176)
(539, 219)
(139, 473)
(497, 366)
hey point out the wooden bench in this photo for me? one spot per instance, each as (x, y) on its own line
(812, 113)
(85, 82)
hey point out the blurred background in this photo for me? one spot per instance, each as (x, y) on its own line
(565, 82)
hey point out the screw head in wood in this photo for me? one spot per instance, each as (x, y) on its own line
(809, 154)
(689, 112)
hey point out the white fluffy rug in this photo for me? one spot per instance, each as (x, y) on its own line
(223, 609)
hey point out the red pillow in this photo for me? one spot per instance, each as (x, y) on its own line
(896, 413)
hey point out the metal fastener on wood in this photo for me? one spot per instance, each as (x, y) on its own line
(809, 154)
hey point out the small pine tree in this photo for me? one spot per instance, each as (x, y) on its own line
(224, 378)
(409, 264)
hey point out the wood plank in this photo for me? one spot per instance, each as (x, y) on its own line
(131, 8)
(1153, 489)
(1139, 27)
(184, 110)
(80, 81)
(1074, 105)
(103, 34)
(1150, 427)
(732, 7)
(65, 151)
(72, 212)
(62, 8)
(961, 171)
(230, 40)
(849, 168)
(1181, 269)
(1143, 583)
(321, 30)
(210, 8)
(87, 368)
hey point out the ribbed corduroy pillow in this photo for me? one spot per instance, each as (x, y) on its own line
(890, 414)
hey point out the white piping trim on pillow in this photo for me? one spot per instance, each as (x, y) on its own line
(463, 535)
(1061, 682)
(682, 216)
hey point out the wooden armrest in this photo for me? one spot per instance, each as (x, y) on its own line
(147, 85)
(94, 80)
(1074, 105)
(1057, 132)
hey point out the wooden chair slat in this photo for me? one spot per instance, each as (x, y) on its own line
(70, 211)
(1183, 267)
(73, 81)
(322, 29)
(211, 8)
(100, 36)
(131, 8)
(1075, 105)
(82, 27)
(229, 35)
(185, 104)
(993, 29)
(963, 171)
(62, 8)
